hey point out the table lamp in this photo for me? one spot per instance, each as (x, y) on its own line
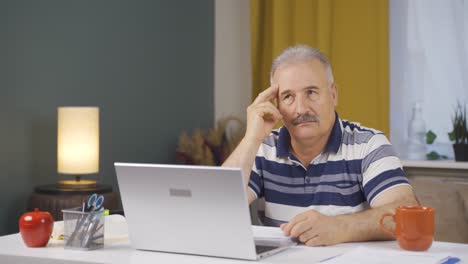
(77, 145)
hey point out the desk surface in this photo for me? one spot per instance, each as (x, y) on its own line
(12, 250)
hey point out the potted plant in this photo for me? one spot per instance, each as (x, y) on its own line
(460, 133)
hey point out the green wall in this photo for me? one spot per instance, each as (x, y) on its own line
(148, 65)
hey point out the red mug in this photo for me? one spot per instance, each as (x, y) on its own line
(414, 227)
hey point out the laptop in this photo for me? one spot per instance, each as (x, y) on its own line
(198, 210)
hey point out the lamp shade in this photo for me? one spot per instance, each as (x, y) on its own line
(78, 140)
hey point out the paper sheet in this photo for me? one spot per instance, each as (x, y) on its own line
(272, 236)
(365, 255)
(268, 232)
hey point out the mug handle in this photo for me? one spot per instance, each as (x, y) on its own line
(382, 226)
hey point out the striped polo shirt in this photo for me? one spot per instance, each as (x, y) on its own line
(356, 166)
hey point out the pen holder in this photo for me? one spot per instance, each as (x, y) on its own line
(83, 230)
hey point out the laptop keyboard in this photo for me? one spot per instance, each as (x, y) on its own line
(261, 249)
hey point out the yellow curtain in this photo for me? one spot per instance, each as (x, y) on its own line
(353, 35)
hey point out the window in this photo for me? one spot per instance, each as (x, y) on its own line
(428, 64)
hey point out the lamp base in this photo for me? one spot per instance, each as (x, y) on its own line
(54, 189)
(73, 184)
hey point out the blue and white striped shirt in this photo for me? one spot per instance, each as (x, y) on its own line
(357, 165)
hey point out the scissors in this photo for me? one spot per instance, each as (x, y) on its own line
(94, 203)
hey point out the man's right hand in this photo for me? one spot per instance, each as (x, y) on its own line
(262, 115)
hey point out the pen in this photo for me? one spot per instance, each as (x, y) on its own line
(79, 222)
(77, 235)
(449, 260)
(90, 230)
(329, 258)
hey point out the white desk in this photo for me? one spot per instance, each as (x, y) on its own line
(12, 250)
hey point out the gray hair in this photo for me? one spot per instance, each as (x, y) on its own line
(301, 53)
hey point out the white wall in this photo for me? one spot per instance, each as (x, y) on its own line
(232, 85)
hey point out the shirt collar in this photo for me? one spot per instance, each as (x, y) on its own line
(333, 144)
(336, 136)
(284, 142)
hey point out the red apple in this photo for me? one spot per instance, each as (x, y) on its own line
(36, 228)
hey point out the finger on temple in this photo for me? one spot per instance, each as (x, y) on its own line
(273, 95)
(267, 95)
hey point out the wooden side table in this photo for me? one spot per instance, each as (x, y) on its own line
(52, 199)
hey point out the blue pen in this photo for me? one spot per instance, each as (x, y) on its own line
(449, 260)
(329, 258)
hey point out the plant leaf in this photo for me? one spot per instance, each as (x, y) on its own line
(451, 136)
(459, 122)
(430, 137)
(433, 155)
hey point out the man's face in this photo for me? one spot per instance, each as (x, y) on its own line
(306, 99)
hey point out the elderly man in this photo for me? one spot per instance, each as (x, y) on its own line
(324, 180)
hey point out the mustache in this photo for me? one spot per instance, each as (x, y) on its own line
(305, 118)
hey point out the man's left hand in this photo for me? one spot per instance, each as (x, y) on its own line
(314, 229)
